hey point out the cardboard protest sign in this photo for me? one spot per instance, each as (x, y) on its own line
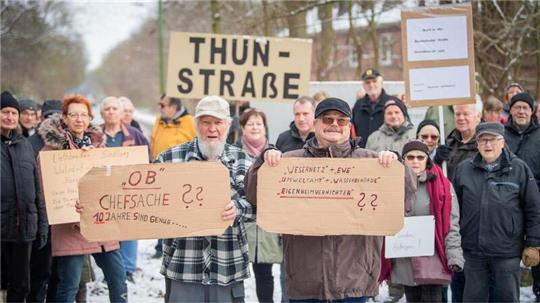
(154, 201)
(238, 67)
(416, 239)
(329, 196)
(62, 169)
(438, 55)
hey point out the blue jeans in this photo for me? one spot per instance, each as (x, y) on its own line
(69, 274)
(346, 300)
(128, 249)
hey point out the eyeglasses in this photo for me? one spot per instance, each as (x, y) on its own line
(432, 137)
(491, 141)
(330, 121)
(418, 157)
(78, 115)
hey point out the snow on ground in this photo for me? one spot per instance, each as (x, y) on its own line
(149, 284)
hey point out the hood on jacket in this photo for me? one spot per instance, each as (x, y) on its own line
(54, 134)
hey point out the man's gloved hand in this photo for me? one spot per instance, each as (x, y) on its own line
(442, 154)
(41, 240)
(531, 256)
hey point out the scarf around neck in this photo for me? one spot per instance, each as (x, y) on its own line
(253, 147)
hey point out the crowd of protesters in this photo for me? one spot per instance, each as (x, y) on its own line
(486, 205)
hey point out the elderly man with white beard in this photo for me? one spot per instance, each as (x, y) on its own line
(213, 268)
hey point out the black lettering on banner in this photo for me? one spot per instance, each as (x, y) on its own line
(258, 52)
(272, 78)
(196, 41)
(289, 86)
(206, 73)
(226, 80)
(244, 49)
(184, 75)
(214, 50)
(248, 86)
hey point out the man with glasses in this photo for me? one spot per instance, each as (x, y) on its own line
(328, 268)
(523, 139)
(500, 217)
(174, 127)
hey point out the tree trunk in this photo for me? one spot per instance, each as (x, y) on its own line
(326, 39)
(356, 42)
(216, 18)
(296, 20)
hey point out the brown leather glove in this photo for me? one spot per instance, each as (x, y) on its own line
(531, 256)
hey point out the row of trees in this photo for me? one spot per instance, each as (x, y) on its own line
(506, 33)
(41, 55)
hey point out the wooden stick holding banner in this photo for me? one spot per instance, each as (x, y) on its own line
(62, 169)
(330, 196)
(154, 201)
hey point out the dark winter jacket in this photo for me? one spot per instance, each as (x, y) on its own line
(525, 145)
(367, 120)
(459, 151)
(500, 210)
(291, 139)
(330, 267)
(37, 142)
(23, 211)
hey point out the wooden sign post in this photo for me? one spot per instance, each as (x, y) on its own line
(325, 196)
(154, 201)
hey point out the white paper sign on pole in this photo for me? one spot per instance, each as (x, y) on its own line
(440, 38)
(431, 83)
(417, 238)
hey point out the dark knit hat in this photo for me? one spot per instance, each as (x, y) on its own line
(415, 145)
(425, 123)
(28, 104)
(333, 104)
(399, 104)
(522, 97)
(50, 107)
(9, 101)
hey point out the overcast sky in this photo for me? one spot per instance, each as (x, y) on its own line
(103, 24)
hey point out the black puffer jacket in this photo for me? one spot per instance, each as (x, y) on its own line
(459, 151)
(366, 119)
(291, 140)
(23, 210)
(500, 210)
(526, 145)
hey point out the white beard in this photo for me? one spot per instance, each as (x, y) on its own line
(211, 150)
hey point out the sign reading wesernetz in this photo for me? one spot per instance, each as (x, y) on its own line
(238, 67)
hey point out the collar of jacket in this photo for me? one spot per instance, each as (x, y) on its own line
(504, 165)
(455, 136)
(333, 151)
(390, 131)
(53, 132)
(366, 102)
(226, 158)
(176, 118)
(14, 138)
(532, 126)
(296, 134)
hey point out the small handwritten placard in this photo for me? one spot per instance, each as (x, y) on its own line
(154, 201)
(416, 239)
(62, 169)
(328, 196)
